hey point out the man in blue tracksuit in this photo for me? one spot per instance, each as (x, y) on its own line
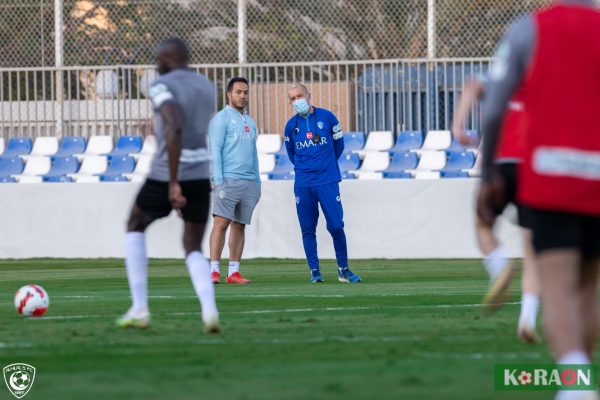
(314, 142)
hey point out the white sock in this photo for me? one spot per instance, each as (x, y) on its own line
(575, 357)
(136, 263)
(200, 274)
(530, 304)
(234, 266)
(495, 262)
(214, 266)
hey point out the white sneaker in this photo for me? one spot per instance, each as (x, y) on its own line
(212, 326)
(528, 333)
(134, 319)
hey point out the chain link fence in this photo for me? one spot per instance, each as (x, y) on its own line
(109, 32)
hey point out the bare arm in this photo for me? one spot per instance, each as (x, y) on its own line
(472, 92)
(171, 117)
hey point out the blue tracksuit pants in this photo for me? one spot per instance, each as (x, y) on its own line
(308, 200)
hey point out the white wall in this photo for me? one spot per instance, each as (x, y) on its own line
(384, 219)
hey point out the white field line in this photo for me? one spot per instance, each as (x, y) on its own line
(282, 310)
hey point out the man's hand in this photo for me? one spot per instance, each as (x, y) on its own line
(176, 198)
(490, 198)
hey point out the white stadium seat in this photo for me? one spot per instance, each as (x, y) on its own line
(427, 175)
(149, 147)
(44, 146)
(373, 162)
(437, 140)
(268, 143)
(377, 141)
(266, 163)
(370, 176)
(142, 168)
(34, 167)
(97, 145)
(90, 166)
(1, 145)
(432, 161)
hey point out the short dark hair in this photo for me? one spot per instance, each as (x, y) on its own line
(180, 45)
(234, 80)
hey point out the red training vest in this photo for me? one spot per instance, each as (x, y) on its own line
(512, 143)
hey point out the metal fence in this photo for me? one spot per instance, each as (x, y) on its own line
(114, 32)
(390, 95)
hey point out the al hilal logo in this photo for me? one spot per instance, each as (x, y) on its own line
(545, 377)
(19, 378)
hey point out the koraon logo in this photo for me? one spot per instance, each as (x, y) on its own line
(545, 377)
(19, 379)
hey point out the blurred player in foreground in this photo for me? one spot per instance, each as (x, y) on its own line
(555, 54)
(498, 265)
(236, 179)
(314, 142)
(183, 102)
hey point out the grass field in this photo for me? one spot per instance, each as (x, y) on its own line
(411, 330)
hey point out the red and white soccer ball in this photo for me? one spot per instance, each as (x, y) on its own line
(31, 301)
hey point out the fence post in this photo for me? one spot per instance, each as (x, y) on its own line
(242, 16)
(58, 64)
(431, 29)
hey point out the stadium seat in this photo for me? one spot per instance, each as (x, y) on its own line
(283, 165)
(97, 145)
(369, 176)
(91, 166)
(113, 178)
(283, 176)
(476, 170)
(7, 179)
(457, 146)
(149, 147)
(61, 166)
(348, 175)
(266, 163)
(353, 141)
(117, 166)
(44, 146)
(57, 179)
(142, 168)
(268, 143)
(432, 161)
(349, 162)
(427, 175)
(281, 152)
(10, 166)
(373, 162)
(71, 145)
(402, 162)
(1, 145)
(454, 174)
(17, 147)
(407, 140)
(126, 145)
(397, 175)
(34, 168)
(437, 140)
(460, 160)
(378, 141)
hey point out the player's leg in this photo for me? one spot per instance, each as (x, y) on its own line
(331, 204)
(530, 297)
(588, 304)
(150, 204)
(307, 208)
(224, 204)
(195, 215)
(247, 194)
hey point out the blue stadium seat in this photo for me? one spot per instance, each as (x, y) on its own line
(113, 178)
(119, 165)
(126, 145)
(402, 162)
(281, 152)
(282, 176)
(71, 145)
(349, 162)
(353, 141)
(17, 147)
(57, 179)
(407, 140)
(61, 167)
(7, 179)
(457, 146)
(283, 165)
(459, 160)
(348, 175)
(397, 175)
(11, 166)
(454, 174)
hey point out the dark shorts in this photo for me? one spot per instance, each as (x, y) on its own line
(508, 172)
(153, 200)
(557, 230)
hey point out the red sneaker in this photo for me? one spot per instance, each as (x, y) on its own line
(216, 277)
(237, 279)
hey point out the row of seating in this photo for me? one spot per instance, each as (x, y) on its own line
(93, 168)
(78, 146)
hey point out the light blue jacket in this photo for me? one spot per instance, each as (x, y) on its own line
(232, 142)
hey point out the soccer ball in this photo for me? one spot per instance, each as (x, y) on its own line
(31, 300)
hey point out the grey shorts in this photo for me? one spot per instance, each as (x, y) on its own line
(235, 199)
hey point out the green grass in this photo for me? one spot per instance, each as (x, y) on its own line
(411, 330)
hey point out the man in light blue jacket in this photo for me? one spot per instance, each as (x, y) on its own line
(235, 176)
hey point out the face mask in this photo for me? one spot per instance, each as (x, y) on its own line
(301, 106)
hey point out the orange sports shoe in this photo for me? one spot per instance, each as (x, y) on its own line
(216, 277)
(237, 279)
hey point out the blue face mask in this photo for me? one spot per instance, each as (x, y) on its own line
(301, 106)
